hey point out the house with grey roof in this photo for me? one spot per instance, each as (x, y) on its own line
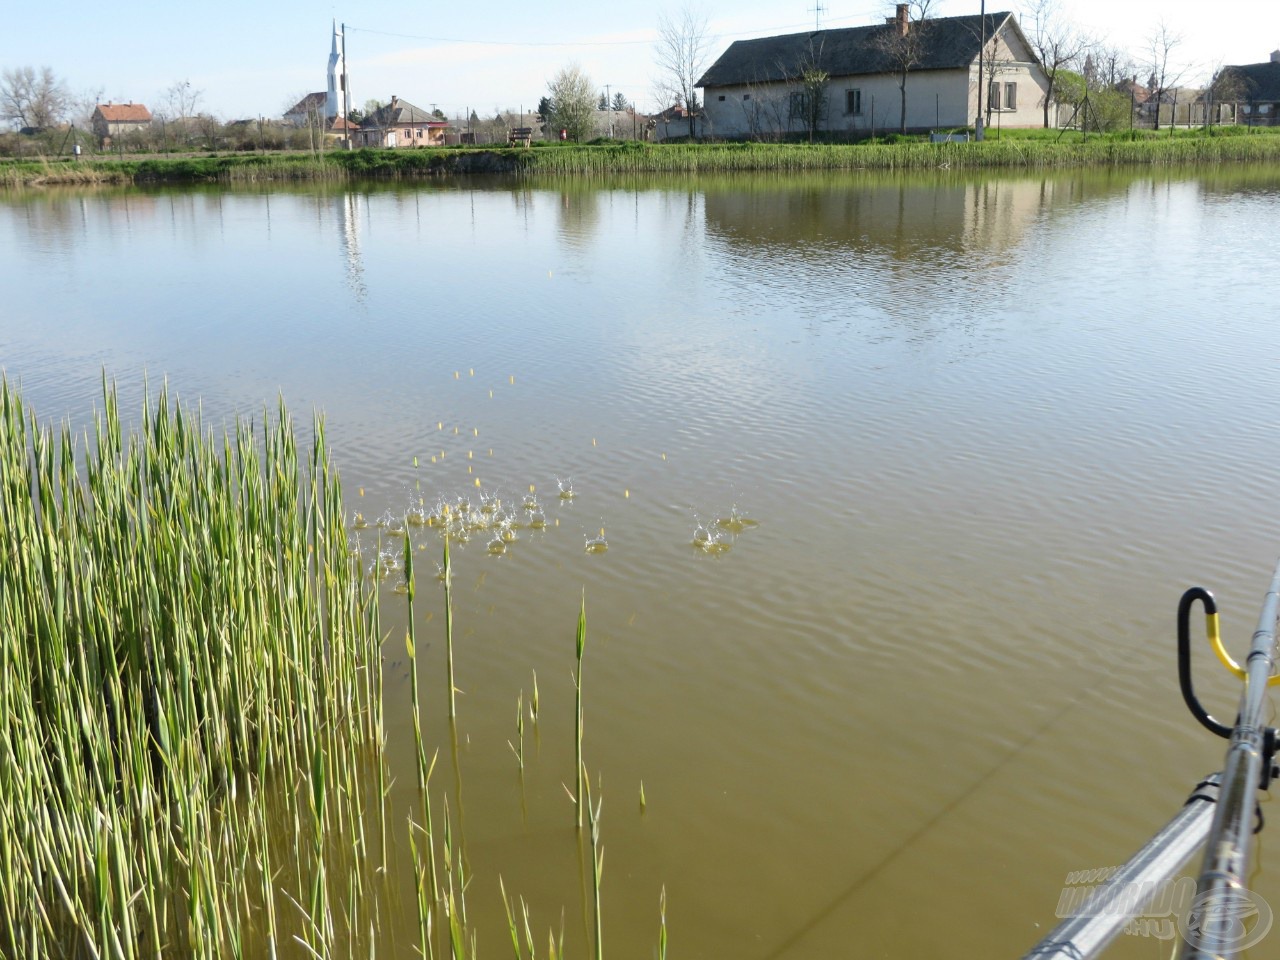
(1254, 88)
(850, 81)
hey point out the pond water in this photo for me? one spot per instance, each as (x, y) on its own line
(900, 478)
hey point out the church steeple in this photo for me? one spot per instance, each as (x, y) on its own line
(336, 99)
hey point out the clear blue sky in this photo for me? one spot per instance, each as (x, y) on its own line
(253, 59)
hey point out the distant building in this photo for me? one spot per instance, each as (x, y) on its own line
(401, 124)
(309, 110)
(336, 98)
(757, 88)
(324, 106)
(113, 119)
(1255, 89)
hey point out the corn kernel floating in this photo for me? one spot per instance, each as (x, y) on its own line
(664, 456)
(593, 441)
(362, 491)
(490, 394)
(531, 488)
(477, 481)
(475, 431)
(471, 454)
(626, 494)
(513, 379)
(415, 461)
(473, 371)
(455, 374)
(440, 425)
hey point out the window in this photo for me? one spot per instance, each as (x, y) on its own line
(798, 107)
(1011, 96)
(746, 96)
(993, 96)
(853, 102)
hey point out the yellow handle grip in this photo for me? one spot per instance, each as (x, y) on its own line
(1215, 641)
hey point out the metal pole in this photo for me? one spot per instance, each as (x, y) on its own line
(1108, 909)
(346, 92)
(1222, 887)
(982, 49)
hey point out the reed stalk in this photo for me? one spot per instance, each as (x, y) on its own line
(183, 637)
(581, 642)
(597, 863)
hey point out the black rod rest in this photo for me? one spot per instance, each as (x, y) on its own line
(1184, 659)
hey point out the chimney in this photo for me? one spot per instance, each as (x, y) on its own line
(901, 20)
(1275, 56)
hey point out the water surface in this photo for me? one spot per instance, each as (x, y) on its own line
(987, 428)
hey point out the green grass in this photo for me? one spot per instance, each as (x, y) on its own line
(184, 632)
(1025, 149)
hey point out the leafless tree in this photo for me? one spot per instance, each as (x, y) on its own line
(181, 100)
(682, 51)
(905, 42)
(1165, 74)
(33, 98)
(1056, 42)
(1111, 66)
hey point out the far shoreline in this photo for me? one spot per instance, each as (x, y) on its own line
(1025, 152)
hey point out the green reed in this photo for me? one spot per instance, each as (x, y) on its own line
(448, 627)
(581, 641)
(184, 641)
(597, 863)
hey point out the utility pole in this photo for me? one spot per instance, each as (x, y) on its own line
(346, 92)
(982, 18)
(608, 105)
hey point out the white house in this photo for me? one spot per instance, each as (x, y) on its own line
(756, 88)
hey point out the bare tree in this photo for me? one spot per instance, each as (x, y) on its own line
(1111, 66)
(1165, 75)
(1056, 43)
(180, 100)
(681, 53)
(33, 98)
(904, 40)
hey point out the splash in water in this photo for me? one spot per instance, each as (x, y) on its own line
(597, 544)
(736, 521)
(709, 539)
(566, 488)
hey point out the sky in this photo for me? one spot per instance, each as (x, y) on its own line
(256, 59)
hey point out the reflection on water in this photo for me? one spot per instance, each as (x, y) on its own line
(350, 207)
(880, 489)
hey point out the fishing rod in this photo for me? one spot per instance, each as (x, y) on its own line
(1219, 916)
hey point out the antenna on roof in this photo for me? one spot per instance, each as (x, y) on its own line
(817, 10)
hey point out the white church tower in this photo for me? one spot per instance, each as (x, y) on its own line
(335, 104)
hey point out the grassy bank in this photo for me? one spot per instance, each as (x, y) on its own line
(1012, 150)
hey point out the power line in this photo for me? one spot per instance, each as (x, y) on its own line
(762, 31)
